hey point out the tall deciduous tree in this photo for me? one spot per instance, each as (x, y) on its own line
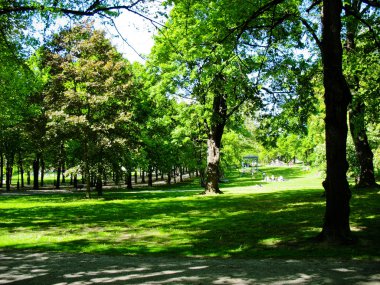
(215, 52)
(337, 97)
(90, 93)
(358, 60)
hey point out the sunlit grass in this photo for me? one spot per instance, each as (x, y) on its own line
(252, 219)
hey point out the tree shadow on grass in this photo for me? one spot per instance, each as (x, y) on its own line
(278, 224)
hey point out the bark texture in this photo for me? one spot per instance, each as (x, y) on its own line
(358, 130)
(215, 133)
(36, 167)
(337, 97)
(362, 147)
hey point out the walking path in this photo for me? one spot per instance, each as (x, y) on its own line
(27, 267)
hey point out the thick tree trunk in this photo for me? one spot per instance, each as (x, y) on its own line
(150, 176)
(75, 181)
(214, 140)
(362, 148)
(129, 179)
(337, 96)
(212, 171)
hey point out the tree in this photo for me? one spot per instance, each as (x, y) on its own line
(90, 93)
(337, 97)
(356, 61)
(17, 83)
(220, 68)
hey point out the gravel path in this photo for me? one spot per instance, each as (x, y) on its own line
(27, 267)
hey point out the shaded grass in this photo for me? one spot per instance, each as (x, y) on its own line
(252, 219)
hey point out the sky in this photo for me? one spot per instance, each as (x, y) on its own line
(136, 32)
(136, 36)
(133, 35)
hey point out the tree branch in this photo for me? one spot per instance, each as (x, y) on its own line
(92, 10)
(312, 32)
(364, 22)
(242, 27)
(373, 3)
(316, 3)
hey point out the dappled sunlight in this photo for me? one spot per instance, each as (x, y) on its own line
(243, 222)
(73, 269)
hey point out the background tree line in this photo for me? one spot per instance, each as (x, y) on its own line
(262, 67)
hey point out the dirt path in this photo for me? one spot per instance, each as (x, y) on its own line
(28, 267)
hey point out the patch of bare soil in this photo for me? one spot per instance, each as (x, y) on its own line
(27, 267)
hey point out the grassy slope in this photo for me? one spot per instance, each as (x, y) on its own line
(251, 219)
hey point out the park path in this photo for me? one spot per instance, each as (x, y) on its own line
(27, 267)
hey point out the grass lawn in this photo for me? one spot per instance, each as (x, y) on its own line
(252, 219)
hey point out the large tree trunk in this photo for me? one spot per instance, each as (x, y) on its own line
(337, 96)
(214, 140)
(362, 148)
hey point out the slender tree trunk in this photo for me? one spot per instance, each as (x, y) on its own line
(8, 172)
(150, 176)
(87, 171)
(169, 178)
(1, 170)
(337, 96)
(99, 184)
(180, 174)
(36, 168)
(142, 176)
(21, 166)
(63, 181)
(28, 177)
(358, 131)
(362, 148)
(135, 176)
(42, 171)
(58, 182)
